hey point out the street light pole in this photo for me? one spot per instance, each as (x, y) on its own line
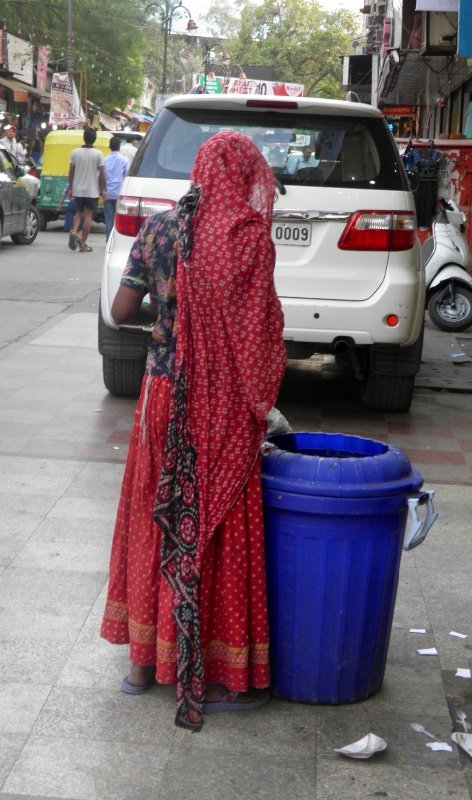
(70, 52)
(169, 13)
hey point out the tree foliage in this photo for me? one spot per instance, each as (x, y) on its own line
(300, 39)
(109, 42)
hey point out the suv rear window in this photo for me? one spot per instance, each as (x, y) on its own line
(308, 149)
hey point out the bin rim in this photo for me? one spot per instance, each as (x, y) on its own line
(387, 471)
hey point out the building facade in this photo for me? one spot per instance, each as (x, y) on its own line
(414, 61)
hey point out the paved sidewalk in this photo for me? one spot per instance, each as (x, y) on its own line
(66, 730)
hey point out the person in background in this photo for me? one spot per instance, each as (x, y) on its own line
(296, 162)
(116, 167)
(70, 209)
(87, 182)
(187, 585)
(128, 149)
(36, 149)
(10, 143)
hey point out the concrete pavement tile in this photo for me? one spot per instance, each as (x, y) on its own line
(45, 605)
(85, 531)
(22, 513)
(60, 555)
(36, 476)
(91, 629)
(75, 330)
(95, 664)
(376, 777)
(449, 604)
(20, 705)
(404, 646)
(11, 745)
(219, 774)
(8, 796)
(33, 661)
(97, 480)
(42, 445)
(422, 682)
(84, 508)
(78, 713)
(280, 728)
(37, 588)
(89, 770)
(405, 747)
(454, 652)
(42, 623)
(13, 415)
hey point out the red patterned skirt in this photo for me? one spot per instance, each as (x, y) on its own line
(232, 590)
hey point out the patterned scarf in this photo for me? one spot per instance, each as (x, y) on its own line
(229, 363)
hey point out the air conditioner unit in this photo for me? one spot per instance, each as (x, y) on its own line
(438, 33)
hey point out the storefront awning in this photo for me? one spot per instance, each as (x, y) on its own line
(21, 89)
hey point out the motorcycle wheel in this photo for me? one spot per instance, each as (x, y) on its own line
(451, 311)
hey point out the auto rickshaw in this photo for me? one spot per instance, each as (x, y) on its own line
(58, 146)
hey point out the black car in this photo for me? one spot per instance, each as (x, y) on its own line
(18, 214)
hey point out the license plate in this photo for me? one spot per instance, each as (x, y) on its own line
(291, 233)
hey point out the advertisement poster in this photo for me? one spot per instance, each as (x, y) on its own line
(65, 105)
(217, 84)
(42, 68)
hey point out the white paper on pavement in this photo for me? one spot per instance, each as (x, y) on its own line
(428, 651)
(439, 746)
(463, 672)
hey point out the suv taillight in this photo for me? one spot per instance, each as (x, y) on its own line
(379, 230)
(132, 211)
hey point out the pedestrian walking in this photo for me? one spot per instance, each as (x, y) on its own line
(187, 573)
(86, 183)
(116, 167)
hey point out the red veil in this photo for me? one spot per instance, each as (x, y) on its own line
(229, 363)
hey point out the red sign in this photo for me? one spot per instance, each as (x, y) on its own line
(399, 111)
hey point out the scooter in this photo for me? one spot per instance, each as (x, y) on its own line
(447, 260)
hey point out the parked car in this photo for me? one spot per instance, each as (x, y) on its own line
(349, 270)
(18, 213)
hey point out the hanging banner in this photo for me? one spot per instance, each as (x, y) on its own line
(217, 84)
(464, 42)
(42, 68)
(437, 5)
(65, 105)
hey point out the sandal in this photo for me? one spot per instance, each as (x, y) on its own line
(232, 701)
(72, 241)
(84, 248)
(134, 688)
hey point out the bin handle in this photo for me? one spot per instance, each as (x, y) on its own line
(418, 528)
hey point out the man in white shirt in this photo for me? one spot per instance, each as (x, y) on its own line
(11, 145)
(128, 149)
(87, 182)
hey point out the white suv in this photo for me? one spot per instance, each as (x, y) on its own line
(348, 273)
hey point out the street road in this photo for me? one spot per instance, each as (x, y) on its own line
(43, 284)
(42, 281)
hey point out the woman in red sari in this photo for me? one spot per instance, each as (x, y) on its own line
(187, 588)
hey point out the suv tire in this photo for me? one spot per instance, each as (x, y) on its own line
(388, 392)
(31, 229)
(390, 378)
(123, 377)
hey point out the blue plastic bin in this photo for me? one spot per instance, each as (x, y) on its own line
(335, 515)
